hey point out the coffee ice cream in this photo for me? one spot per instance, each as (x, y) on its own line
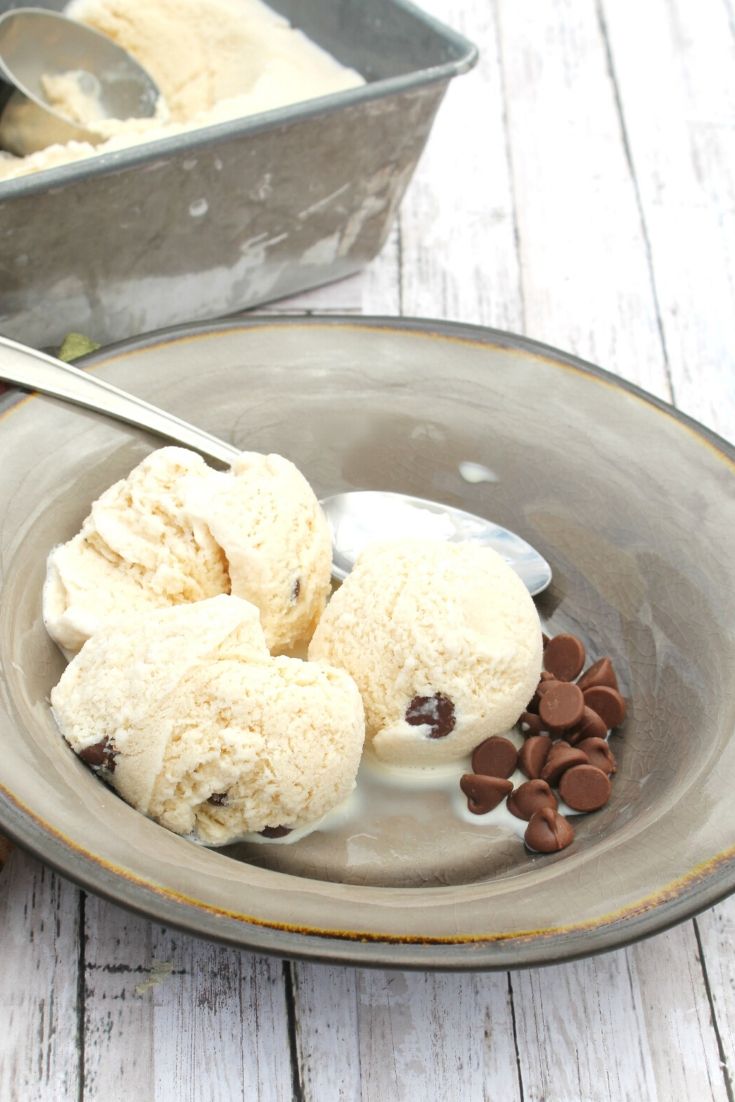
(188, 717)
(175, 531)
(443, 641)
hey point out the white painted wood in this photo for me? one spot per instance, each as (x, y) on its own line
(586, 282)
(374, 1035)
(674, 63)
(177, 1018)
(458, 249)
(39, 949)
(626, 1026)
(716, 930)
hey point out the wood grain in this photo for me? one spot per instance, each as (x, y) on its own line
(174, 1017)
(39, 983)
(674, 63)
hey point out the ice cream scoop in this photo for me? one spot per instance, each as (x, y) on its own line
(356, 518)
(183, 711)
(442, 640)
(101, 79)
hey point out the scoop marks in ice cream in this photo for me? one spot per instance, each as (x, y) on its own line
(443, 641)
(213, 61)
(175, 531)
(191, 720)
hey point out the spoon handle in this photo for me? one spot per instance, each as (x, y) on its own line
(33, 370)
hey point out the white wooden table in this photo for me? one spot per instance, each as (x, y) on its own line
(580, 188)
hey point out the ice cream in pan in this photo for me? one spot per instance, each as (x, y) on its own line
(213, 60)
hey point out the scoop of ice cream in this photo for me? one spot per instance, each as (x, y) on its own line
(443, 641)
(265, 517)
(195, 725)
(176, 531)
(138, 548)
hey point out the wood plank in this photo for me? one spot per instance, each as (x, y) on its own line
(376, 1035)
(673, 63)
(716, 933)
(629, 1025)
(458, 220)
(39, 919)
(177, 1018)
(586, 281)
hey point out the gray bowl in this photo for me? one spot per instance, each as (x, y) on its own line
(631, 503)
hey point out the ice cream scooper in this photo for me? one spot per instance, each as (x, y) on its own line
(356, 517)
(35, 45)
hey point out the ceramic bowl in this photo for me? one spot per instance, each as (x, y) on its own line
(632, 504)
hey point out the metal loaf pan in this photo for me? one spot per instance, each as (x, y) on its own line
(233, 215)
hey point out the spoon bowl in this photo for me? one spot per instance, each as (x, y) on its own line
(357, 517)
(34, 44)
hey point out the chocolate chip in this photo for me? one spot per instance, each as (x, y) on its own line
(534, 753)
(435, 711)
(484, 793)
(599, 754)
(295, 590)
(585, 788)
(530, 797)
(275, 832)
(564, 657)
(495, 757)
(548, 831)
(100, 755)
(547, 683)
(530, 724)
(218, 799)
(561, 706)
(600, 672)
(608, 703)
(589, 726)
(561, 757)
(540, 690)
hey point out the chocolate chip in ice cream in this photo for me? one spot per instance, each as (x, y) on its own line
(100, 755)
(533, 754)
(436, 711)
(218, 799)
(548, 831)
(275, 832)
(561, 706)
(561, 757)
(599, 754)
(564, 657)
(589, 726)
(295, 590)
(530, 797)
(585, 788)
(495, 757)
(484, 793)
(600, 672)
(607, 702)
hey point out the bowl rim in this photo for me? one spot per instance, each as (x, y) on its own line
(697, 889)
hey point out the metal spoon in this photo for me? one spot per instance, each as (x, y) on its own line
(35, 43)
(356, 517)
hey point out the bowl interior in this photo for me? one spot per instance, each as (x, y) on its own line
(633, 509)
